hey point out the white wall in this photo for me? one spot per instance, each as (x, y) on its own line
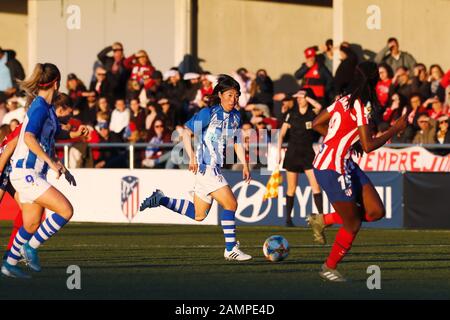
(138, 24)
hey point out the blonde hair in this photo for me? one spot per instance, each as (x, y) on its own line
(43, 78)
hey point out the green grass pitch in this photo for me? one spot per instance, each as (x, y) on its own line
(186, 262)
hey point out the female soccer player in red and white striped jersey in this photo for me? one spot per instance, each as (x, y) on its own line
(350, 191)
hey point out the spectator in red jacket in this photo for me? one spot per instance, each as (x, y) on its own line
(317, 77)
(384, 84)
(141, 69)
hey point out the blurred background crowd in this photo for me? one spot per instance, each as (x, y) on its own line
(129, 100)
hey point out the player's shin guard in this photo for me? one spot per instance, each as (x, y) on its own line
(18, 223)
(47, 229)
(20, 239)
(184, 207)
(229, 228)
(332, 218)
(341, 246)
(318, 201)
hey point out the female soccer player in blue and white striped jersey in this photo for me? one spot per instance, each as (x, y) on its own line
(33, 156)
(213, 129)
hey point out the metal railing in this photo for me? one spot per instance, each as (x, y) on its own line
(142, 145)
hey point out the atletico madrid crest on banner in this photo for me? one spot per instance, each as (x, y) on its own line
(272, 185)
(130, 196)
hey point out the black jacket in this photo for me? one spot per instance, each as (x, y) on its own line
(120, 78)
(15, 67)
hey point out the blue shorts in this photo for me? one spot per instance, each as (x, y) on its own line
(342, 187)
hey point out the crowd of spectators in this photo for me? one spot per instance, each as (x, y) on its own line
(129, 100)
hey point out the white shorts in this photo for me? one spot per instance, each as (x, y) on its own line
(208, 182)
(28, 184)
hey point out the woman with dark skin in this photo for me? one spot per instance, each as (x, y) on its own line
(350, 191)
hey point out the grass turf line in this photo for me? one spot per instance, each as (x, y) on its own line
(121, 261)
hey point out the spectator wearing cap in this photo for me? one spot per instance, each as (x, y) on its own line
(120, 117)
(192, 85)
(346, 69)
(112, 59)
(317, 77)
(102, 85)
(395, 58)
(11, 70)
(15, 111)
(203, 93)
(384, 84)
(427, 130)
(442, 135)
(109, 157)
(76, 90)
(156, 91)
(244, 78)
(262, 89)
(174, 91)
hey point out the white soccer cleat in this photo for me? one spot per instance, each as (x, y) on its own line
(331, 275)
(236, 254)
(152, 201)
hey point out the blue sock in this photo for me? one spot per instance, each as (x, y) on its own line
(184, 207)
(21, 238)
(48, 228)
(229, 228)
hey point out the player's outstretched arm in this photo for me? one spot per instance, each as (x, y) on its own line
(369, 144)
(320, 123)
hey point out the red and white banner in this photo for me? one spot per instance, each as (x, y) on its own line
(415, 159)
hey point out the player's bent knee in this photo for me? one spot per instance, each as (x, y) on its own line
(67, 212)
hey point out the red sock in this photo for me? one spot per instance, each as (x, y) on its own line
(332, 218)
(18, 223)
(341, 246)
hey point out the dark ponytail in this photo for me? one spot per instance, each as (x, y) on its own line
(43, 77)
(363, 85)
(224, 83)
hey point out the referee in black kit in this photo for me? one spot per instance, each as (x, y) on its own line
(300, 154)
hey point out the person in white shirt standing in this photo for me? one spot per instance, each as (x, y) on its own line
(120, 117)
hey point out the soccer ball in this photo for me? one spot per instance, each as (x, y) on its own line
(276, 248)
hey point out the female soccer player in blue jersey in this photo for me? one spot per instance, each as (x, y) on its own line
(214, 128)
(33, 156)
